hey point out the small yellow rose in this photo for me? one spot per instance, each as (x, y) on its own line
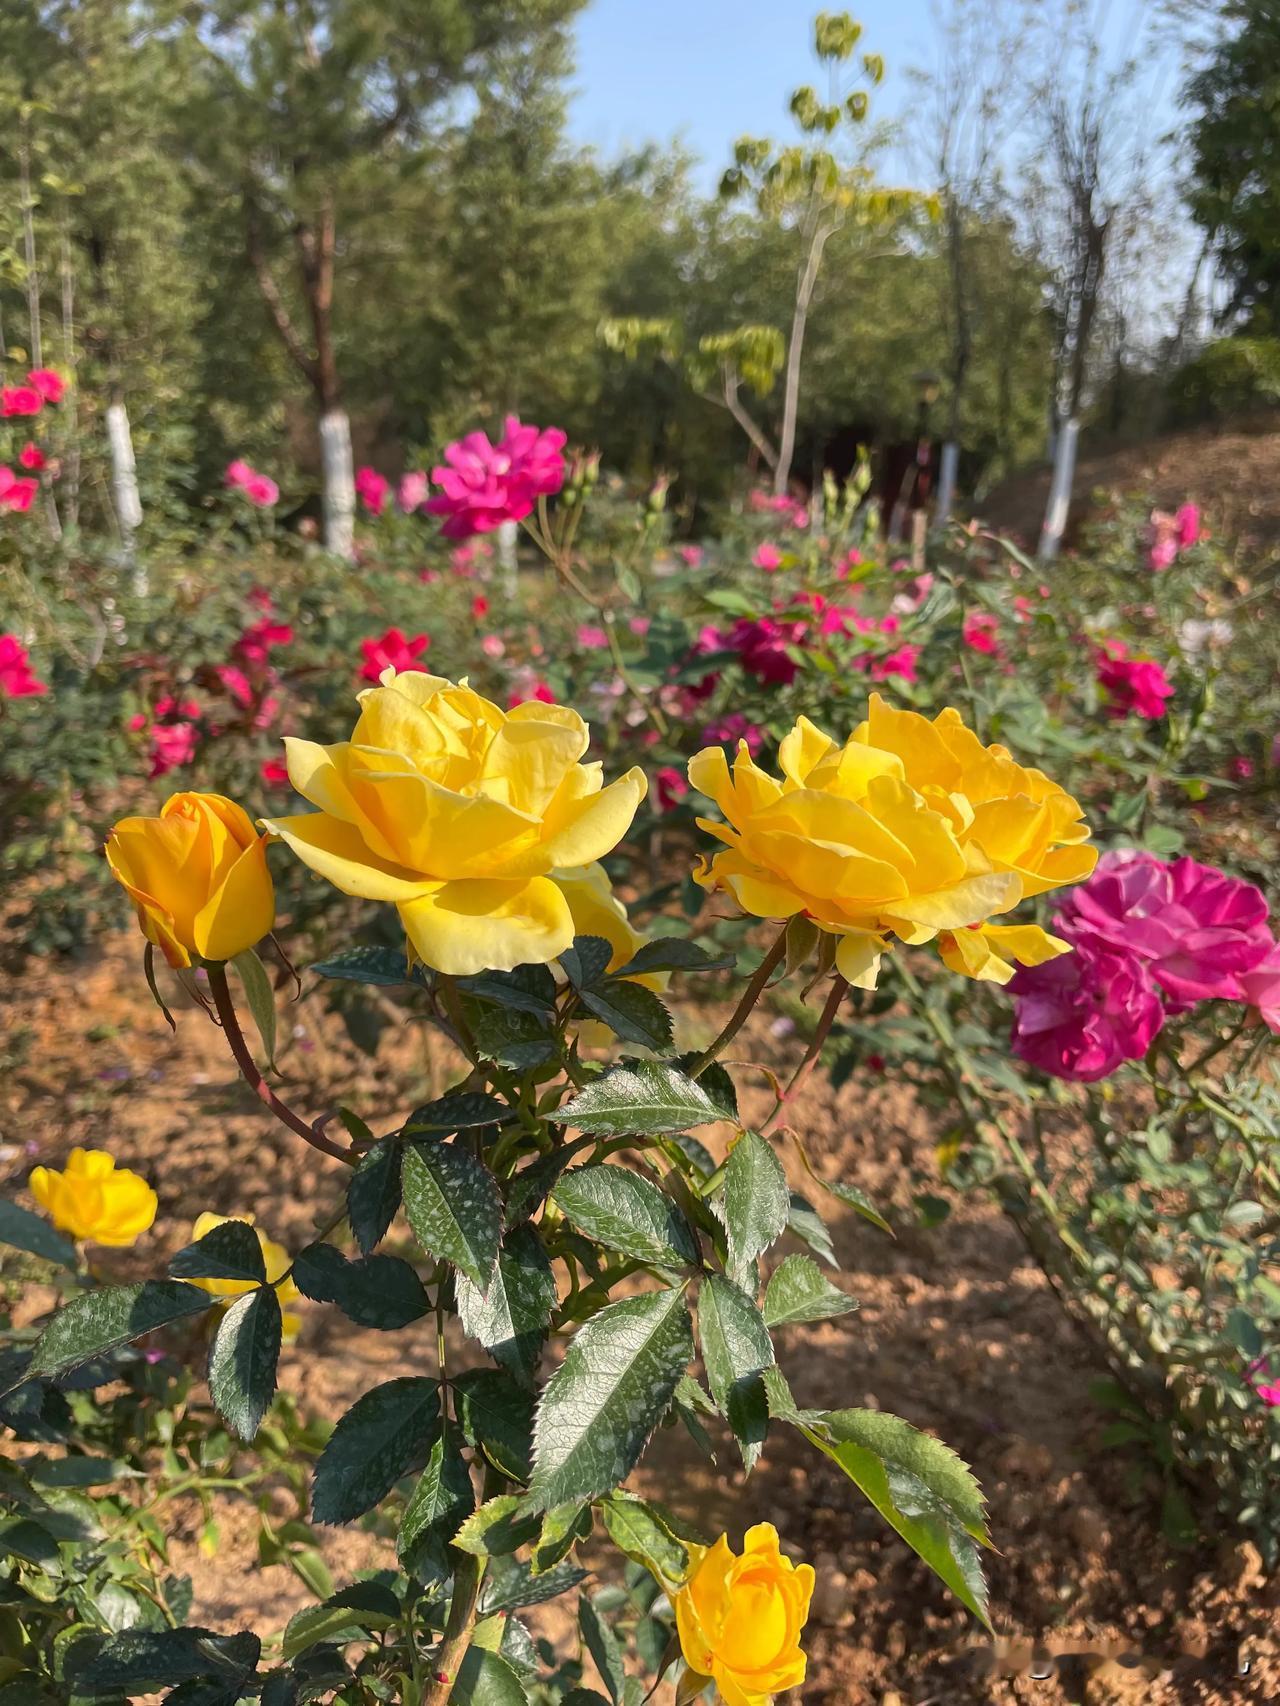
(275, 1258)
(197, 875)
(740, 1619)
(93, 1199)
(461, 815)
(597, 911)
(910, 829)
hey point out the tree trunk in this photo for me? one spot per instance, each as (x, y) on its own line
(1064, 468)
(508, 532)
(795, 349)
(124, 485)
(946, 482)
(29, 250)
(337, 473)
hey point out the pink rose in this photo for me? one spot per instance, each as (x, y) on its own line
(49, 385)
(1080, 1015)
(483, 484)
(767, 557)
(1260, 987)
(172, 745)
(372, 490)
(1187, 522)
(275, 772)
(639, 625)
(16, 493)
(691, 556)
(32, 458)
(235, 682)
(669, 787)
(412, 492)
(479, 606)
(981, 632)
(261, 491)
(732, 729)
(18, 400)
(237, 473)
(16, 678)
(392, 651)
(591, 638)
(492, 646)
(1135, 687)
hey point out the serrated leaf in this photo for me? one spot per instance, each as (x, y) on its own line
(800, 1291)
(718, 1083)
(143, 1660)
(511, 1316)
(513, 1037)
(261, 998)
(639, 1530)
(920, 1487)
(373, 1194)
(756, 1199)
(587, 961)
(562, 1528)
(375, 965)
(362, 1608)
(628, 1213)
(809, 1227)
(646, 1097)
(527, 1189)
(22, 1230)
(487, 1679)
(243, 1358)
(527, 989)
(376, 1443)
(499, 1527)
(672, 953)
(102, 1320)
(857, 1200)
(453, 1206)
(231, 1251)
(631, 1012)
(496, 1417)
(602, 1644)
(736, 1349)
(608, 1395)
(376, 1291)
(441, 1503)
(460, 1112)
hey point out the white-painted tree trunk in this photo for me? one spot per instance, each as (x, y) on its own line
(948, 467)
(338, 483)
(508, 532)
(124, 486)
(1064, 469)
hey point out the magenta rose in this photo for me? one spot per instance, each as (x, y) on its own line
(483, 484)
(1081, 1015)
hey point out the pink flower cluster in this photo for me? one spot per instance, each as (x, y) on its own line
(1151, 938)
(1134, 687)
(173, 734)
(483, 484)
(1170, 535)
(766, 503)
(17, 493)
(1264, 1382)
(373, 490)
(260, 490)
(732, 729)
(43, 386)
(981, 633)
(17, 681)
(392, 650)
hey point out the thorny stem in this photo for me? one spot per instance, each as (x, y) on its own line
(456, 1639)
(838, 990)
(225, 1009)
(750, 995)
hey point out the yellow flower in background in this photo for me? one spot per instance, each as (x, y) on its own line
(461, 815)
(275, 1258)
(93, 1199)
(912, 829)
(740, 1618)
(597, 911)
(198, 877)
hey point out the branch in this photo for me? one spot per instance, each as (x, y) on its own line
(289, 335)
(732, 402)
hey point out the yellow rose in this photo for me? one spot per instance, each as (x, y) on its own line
(740, 1619)
(275, 1258)
(461, 815)
(197, 875)
(93, 1199)
(909, 829)
(597, 911)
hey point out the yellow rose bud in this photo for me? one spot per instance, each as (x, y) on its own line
(909, 829)
(740, 1619)
(275, 1258)
(93, 1199)
(459, 814)
(197, 875)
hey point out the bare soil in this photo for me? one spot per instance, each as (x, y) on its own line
(956, 1332)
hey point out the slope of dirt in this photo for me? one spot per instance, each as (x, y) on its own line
(1233, 476)
(955, 1331)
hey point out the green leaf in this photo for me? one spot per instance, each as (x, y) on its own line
(510, 1318)
(231, 1251)
(602, 1644)
(362, 1608)
(919, 1486)
(587, 961)
(375, 1443)
(736, 1349)
(450, 1114)
(608, 1395)
(453, 1206)
(441, 1503)
(513, 1037)
(373, 1195)
(518, 1586)
(527, 989)
(804, 1221)
(800, 1291)
(496, 1417)
(141, 1661)
(672, 953)
(261, 998)
(486, 1679)
(629, 1214)
(377, 1291)
(22, 1230)
(500, 1526)
(562, 1528)
(631, 1012)
(858, 1200)
(527, 1189)
(102, 1320)
(243, 1358)
(375, 965)
(640, 1531)
(755, 1199)
(644, 1097)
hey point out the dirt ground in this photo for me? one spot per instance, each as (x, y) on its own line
(956, 1332)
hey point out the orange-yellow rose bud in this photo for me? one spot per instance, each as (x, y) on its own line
(740, 1619)
(197, 875)
(92, 1198)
